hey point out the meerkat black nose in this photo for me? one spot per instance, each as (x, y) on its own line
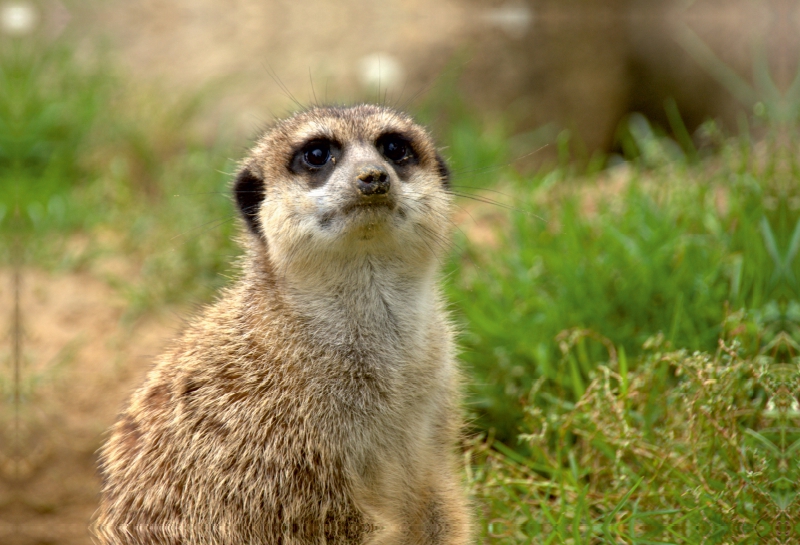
(373, 180)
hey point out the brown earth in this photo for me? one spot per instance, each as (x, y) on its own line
(77, 363)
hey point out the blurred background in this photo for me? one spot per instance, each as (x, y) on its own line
(608, 152)
(541, 66)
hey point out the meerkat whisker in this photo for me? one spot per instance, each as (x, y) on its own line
(487, 200)
(200, 229)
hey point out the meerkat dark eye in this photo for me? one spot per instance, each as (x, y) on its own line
(317, 154)
(394, 147)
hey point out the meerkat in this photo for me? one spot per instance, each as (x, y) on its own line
(317, 401)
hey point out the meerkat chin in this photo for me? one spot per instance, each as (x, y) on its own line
(317, 401)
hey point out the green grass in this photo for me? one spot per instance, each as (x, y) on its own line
(94, 167)
(675, 249)
(631, 346)
(635, 362)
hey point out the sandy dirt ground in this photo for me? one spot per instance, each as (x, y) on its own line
(77, 362)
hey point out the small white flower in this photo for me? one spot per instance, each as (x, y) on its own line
(18, 18)
(380, 70)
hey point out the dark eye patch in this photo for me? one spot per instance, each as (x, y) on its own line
(397, 148)
(314, 155)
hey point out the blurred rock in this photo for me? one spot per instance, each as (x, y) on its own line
(584, 65)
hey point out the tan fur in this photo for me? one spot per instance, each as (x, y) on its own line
(317, 400)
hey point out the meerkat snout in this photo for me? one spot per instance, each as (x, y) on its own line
(373, 180)
(317, 400)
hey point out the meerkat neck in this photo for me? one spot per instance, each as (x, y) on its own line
(366, 298)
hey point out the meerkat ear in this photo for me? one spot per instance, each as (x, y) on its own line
(444, 172)
(249, 192)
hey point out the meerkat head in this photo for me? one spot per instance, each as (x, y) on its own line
(334, 182)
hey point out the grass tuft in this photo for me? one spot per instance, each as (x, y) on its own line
(691, 448)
